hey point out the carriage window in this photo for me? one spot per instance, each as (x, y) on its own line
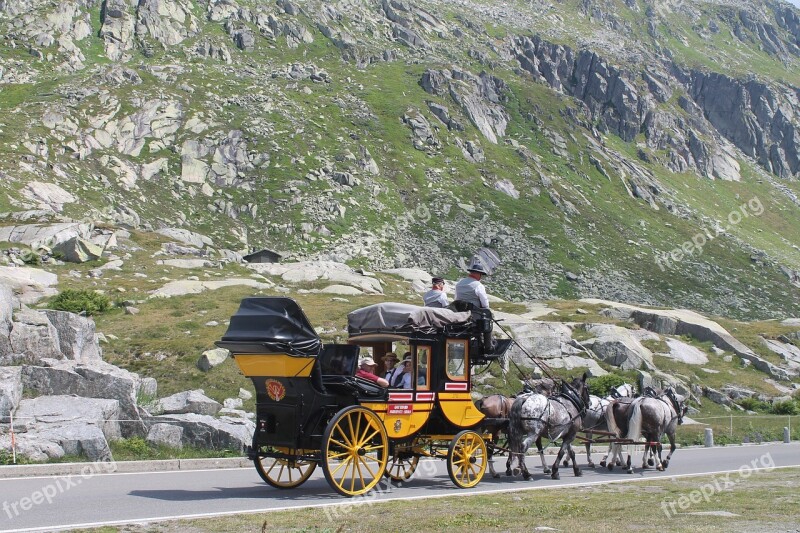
(457, 360)
(423, 376)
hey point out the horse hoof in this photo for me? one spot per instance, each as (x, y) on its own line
(517, 471)
(566, 463)
(602, 464)
(591, 464)
(526, 476)
(548, 471)
(578, 473)
(555, 475)
(666, 464)
(508, 472)
(650, 462)
(660, 468)
(630, 471)
(610, 467)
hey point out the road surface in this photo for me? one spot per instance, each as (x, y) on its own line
(65, 502)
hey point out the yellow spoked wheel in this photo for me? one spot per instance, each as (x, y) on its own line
(401, 466)
(466, 459)
(355, 450)
(284, 473)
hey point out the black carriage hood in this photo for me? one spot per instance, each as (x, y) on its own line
(391, 317)
(271, 325)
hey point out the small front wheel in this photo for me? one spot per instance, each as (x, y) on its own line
(355, 450)
(466, 459)
(401, 467)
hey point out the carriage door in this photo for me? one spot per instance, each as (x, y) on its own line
(455, 401)
(423, 357)
(457, 365)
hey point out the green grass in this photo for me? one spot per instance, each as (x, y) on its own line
(765, 500)
(137, 449)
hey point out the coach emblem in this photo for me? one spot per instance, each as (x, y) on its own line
(275, 390)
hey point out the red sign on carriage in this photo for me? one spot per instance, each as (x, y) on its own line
(275, 390)
(400, 409)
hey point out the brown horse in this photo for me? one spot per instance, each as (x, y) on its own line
(496, 408)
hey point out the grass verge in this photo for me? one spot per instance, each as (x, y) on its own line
(762, 501)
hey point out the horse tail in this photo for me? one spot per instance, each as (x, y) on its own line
(611, 421)
(635, 421)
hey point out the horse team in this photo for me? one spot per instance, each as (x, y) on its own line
(544, 410)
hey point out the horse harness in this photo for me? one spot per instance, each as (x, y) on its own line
(673, 403)
(571, 395)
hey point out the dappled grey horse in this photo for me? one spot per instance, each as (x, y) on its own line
(650, 417)
(497, 407)
(595, 420)
(534, 416)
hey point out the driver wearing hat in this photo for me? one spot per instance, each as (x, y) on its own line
(470, 289)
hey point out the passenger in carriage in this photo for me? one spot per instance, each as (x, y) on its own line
(436, 296)
(366, 370)
(403, 380)
(390, 364)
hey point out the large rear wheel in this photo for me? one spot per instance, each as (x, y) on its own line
(355, 450)
(466, 459)
(284, 473)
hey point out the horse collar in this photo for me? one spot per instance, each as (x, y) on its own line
(571, 394)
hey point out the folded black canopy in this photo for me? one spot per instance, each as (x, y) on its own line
(271, 325)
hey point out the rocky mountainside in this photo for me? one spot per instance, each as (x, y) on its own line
(639, 150)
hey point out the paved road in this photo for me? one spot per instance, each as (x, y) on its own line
(50, 503)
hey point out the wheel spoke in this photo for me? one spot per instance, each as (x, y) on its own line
(365, 439)
(362, 461)
(344, 436)
(341, 464)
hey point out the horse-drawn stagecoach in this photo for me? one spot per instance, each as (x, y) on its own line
(313, 410)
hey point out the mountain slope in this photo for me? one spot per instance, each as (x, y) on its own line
(639, 151)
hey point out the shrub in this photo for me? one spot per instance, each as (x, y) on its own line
(753, 404)
(787, 407)
(602, 385)
(81, 301)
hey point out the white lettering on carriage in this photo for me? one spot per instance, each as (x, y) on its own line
(708, 491)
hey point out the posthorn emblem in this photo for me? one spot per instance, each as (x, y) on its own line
(275, 390)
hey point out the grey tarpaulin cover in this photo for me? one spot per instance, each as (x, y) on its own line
(402, 317)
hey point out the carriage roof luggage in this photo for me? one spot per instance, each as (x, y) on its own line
(271, 325)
